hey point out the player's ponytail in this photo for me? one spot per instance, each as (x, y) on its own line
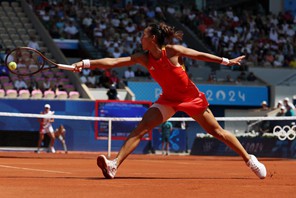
(165, 33)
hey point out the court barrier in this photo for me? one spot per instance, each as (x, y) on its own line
(275, 137)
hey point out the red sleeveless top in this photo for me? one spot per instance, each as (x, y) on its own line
(178, 90)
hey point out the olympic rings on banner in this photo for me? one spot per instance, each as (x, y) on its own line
(285, 132)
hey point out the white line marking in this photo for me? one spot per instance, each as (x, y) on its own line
(32, 169)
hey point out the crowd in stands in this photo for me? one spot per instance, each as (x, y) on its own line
(267, 39)
(114, 30)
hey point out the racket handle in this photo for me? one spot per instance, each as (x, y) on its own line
(66, 67)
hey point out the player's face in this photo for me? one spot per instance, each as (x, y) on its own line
(146, 39)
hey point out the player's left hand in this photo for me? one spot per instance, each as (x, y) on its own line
(236, 61)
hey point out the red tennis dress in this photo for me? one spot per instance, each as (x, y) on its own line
(178, 91)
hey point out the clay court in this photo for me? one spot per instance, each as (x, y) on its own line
(24, 174)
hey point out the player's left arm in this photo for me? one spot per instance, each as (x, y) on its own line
(180, 50)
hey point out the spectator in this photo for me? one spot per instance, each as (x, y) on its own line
(71, 30)
(20, 84)
(139, 72)
(33, 43)
(112, 93)
(289, 111)
(91, 80)
(129, 73)
(251, 77)
(104, 80)
(287, 103)
(282, 111)
(33, 84)
(114, 79)
(46, 85)
(264, 106)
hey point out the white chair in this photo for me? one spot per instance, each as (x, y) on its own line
(74, 95)
(62, 95)
(37, 94)
(49, 94)
(24, 93)
(2, 93)
(11, 93)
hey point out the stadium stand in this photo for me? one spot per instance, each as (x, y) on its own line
(17, 30)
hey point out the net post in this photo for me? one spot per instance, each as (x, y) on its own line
(109, 137)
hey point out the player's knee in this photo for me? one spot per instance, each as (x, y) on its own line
(219, 133)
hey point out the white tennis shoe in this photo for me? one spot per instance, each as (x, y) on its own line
(257, 167)
(108, 167)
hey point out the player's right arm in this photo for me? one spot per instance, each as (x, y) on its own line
(108, 63)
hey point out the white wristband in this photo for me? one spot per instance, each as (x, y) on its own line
(86, 63)
(225, 61)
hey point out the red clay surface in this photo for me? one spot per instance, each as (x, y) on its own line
(24, 174)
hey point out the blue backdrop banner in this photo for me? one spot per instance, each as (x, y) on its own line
(234, 95)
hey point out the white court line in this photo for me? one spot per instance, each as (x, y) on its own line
(32, 169)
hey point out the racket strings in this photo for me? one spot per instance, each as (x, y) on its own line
(28, 61)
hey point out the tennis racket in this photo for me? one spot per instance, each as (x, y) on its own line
(30, 61)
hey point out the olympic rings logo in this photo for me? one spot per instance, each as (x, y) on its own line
(285, 132)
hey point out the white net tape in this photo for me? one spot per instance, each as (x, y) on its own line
(90, 118)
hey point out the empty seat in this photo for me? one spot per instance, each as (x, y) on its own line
(37, 94)
(24, 93)
(62, 95)
(11, 93)
(49, 94)
(2, 93)
(74, 95)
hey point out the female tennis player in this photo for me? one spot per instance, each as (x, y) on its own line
(164, 62)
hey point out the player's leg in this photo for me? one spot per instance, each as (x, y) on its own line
(151, 119)
(52, 138)
(41, 137)
(210, 124)
(154, 116)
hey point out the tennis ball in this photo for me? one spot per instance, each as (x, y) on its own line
(12, 65)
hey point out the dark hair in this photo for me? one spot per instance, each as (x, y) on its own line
(164, 33)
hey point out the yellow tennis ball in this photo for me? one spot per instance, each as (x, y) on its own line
(12, 65)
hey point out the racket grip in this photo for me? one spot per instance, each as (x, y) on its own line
(66, 67)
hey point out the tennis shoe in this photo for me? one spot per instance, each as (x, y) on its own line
(257, 167)
(108, 167)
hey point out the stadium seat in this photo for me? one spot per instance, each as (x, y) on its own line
(24, 93)
(11, 93)
(62, 95)
(49, 94)
(74, 95)
(37, 94)
(2, 93)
